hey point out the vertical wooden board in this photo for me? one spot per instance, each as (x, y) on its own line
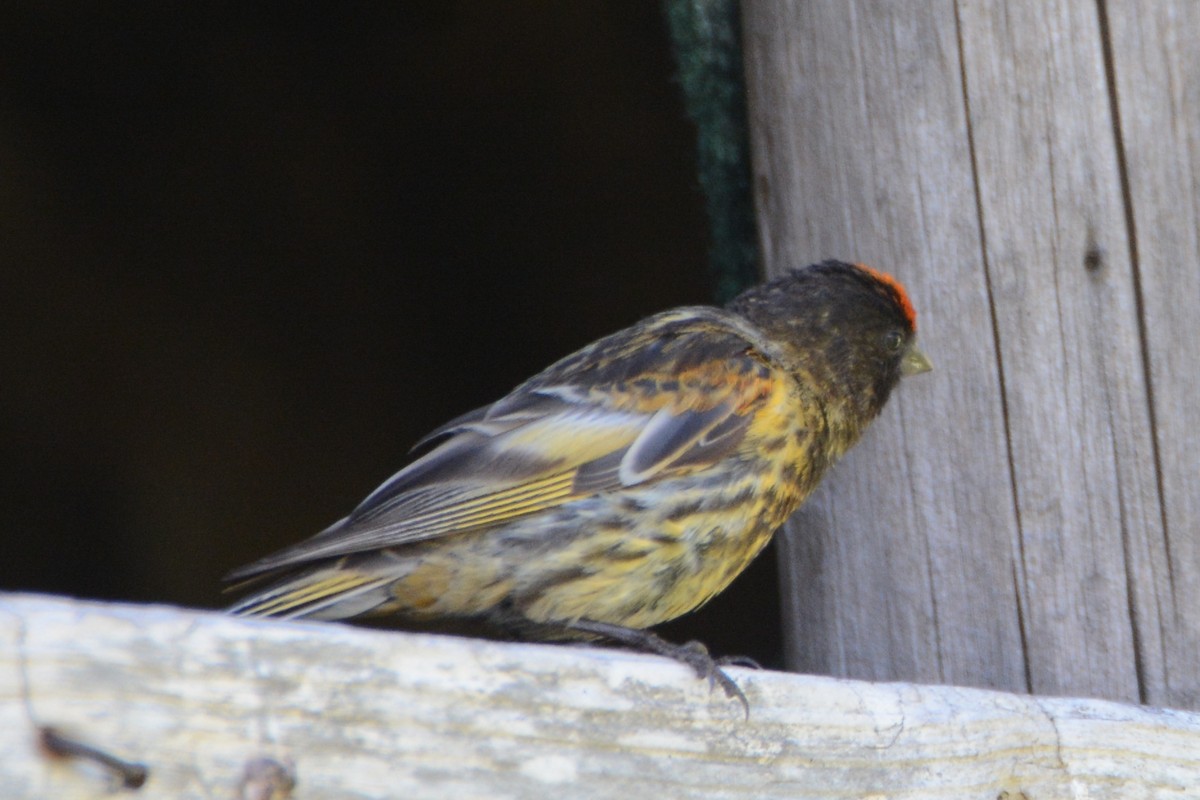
(1066, 314)
(1156, 67)
(900, 567)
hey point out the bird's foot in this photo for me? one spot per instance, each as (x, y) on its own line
(694, 654)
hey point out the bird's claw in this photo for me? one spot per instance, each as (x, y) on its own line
(696, 655)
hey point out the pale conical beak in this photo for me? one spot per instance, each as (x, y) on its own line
(914, 362)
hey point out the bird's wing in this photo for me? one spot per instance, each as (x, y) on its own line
(674, 395)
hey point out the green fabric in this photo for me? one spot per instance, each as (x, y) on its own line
(708, 49)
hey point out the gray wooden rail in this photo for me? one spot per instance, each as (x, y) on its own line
(196, 697)
(1027, 517)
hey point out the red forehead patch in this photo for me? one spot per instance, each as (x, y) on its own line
(906, 306)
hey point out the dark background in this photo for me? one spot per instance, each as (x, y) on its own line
(248, 257)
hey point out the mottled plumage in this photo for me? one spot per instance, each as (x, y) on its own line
(626, 484)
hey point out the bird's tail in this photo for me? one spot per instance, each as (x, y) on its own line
(328, 592)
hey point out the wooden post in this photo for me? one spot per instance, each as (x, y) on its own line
(1024, 517)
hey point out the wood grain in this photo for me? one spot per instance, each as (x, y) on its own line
(1156, 65)
(1002, 525)
(196, 696)
(901, 567)
(1079, 432)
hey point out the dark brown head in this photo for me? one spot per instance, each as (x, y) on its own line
(846, 331)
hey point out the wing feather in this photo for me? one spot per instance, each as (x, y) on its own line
(667, 435)
(588, 424)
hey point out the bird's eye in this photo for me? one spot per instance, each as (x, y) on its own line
(893, 341)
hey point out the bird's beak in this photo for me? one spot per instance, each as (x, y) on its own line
(914, 362)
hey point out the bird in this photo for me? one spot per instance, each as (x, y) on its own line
(623, 486)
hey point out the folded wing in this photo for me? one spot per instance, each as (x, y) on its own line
(626, 411)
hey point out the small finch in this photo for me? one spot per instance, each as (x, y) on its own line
(624, 485)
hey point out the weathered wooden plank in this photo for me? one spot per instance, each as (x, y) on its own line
(994, 519)
(1066, 314)
(365, 714)
(901, 567)
(1156, 66)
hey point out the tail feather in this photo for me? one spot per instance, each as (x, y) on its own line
(328, 593)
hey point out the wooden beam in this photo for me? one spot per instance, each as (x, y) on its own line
(197, 696)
